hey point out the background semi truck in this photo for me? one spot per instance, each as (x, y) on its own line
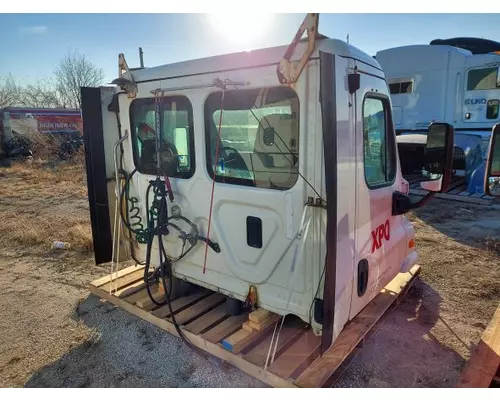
(455, 81)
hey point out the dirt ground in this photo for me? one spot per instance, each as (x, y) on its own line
(55, 334)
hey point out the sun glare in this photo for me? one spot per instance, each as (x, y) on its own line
(244, 29)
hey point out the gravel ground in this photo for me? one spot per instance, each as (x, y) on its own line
(125, 351)
(55, 334)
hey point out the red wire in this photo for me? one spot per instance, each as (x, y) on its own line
(213, 181)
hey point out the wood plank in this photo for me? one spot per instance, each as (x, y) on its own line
(136, 296)
(123, 281)
(206, 321)
(321, 370)
(253, 337)
(181, 303)
(288, 335)
(105, 279)
(130, 289)
(198, 341)
(157, 292)
(259, 315)
(457, 197)
(485, 360)
(225, 328)
(298, 354)
(199, 308)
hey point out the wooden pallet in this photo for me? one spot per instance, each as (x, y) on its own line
(457, 191)
(483, 368)
(204, 322)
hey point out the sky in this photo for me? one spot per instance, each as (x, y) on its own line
(34, 43)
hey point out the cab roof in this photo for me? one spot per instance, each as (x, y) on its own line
(248, 59)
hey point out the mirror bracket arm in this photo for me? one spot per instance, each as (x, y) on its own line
(401, 203)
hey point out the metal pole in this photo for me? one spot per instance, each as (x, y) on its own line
(141, 57)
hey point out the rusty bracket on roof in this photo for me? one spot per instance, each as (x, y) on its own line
(289, 72)
(126, 84)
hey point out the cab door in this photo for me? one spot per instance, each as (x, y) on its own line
(380, 238)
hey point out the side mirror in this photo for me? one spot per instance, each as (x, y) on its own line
(492, 177)
(438, 157)
(436, 170)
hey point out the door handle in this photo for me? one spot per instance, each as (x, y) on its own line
(362, 277)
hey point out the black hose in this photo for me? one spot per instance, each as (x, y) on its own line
(159, 207)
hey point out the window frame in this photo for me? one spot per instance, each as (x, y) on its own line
(400, 82)
(231, 180)
(497, 86)
(191, 137)
(390, 135)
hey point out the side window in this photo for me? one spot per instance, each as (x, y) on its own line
(177, 145)
(379, 143)
(483, 79)
(401, 87)
(259, 137)
(492, 108)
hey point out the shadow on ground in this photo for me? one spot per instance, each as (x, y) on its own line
(406, 350)
(469, 224)
(125, 351)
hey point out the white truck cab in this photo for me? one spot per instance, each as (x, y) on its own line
(296, 185)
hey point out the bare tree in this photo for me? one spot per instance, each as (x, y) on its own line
(74, 71)
(10, 92)
(41, 94)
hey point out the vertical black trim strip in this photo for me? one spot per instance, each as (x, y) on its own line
(329, 122)
(95, 165)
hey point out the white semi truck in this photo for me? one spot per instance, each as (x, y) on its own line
(455, 81)
(273, 172)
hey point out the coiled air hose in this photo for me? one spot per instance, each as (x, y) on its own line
(157, 225)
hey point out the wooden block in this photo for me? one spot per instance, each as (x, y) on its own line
(225, 328)
(258, 326)
(255, 336)
(246, 326)
(230, 342)
(259, 315)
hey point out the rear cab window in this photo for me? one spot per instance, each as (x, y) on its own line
(259, 138)
(177, 145)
